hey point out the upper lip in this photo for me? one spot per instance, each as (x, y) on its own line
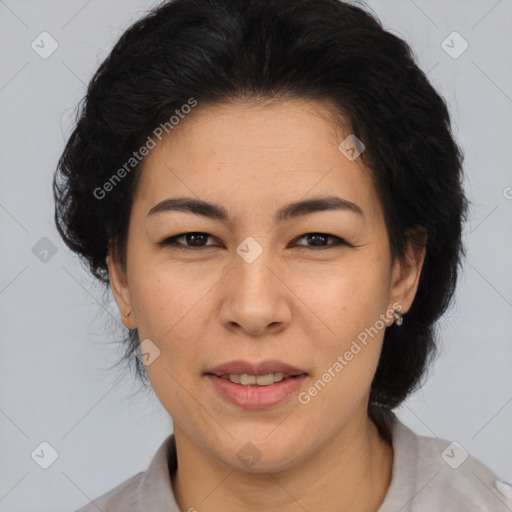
(259, 368)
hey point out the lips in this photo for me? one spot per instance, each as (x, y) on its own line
(261, 368)
(256, 385)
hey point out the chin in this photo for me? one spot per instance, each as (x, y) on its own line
(260, 455)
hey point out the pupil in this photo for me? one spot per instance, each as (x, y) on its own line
(194, 238)
(317, 237)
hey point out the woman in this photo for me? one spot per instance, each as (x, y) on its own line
(272, 190)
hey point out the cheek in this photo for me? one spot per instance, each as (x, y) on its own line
(165, 297)
(346, 360)
(169, 315)
(352, 297)
(173, 313)
(352, 304)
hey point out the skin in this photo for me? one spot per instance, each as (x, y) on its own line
(297, 303)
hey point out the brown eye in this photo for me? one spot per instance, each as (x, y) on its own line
(187, 240)
(320, 240)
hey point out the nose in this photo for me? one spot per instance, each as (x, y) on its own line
(256, 299)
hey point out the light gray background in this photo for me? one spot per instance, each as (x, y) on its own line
(56, 343)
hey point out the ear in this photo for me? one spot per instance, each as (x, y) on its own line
(120, 289)
(406, 271)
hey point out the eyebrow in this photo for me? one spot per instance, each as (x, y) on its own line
(288, 211)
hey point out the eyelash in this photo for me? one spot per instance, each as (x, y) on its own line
(172, 241)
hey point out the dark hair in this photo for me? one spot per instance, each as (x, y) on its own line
(216, 51)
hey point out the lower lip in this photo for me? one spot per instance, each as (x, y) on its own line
(256, 397)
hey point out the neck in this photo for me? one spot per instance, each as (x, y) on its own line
(350, 473)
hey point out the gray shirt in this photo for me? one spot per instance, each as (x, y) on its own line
(428, 475)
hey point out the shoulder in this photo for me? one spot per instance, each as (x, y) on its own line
(436, 474)
(458, 480)
(119, 499)
(147, 491)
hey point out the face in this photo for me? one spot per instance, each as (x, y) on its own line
(259, 284)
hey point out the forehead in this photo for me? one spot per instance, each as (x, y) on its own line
(244, 154)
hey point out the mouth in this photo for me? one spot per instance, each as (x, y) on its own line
(256, 386)
(264, 373)
(256, 381)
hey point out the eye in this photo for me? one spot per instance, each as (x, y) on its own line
(195, 239)
(319, 240)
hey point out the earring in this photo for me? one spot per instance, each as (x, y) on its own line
(127, 314)
(399, 319)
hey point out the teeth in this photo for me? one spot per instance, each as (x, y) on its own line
(259, 380)
(247, 380)
(265, 380)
